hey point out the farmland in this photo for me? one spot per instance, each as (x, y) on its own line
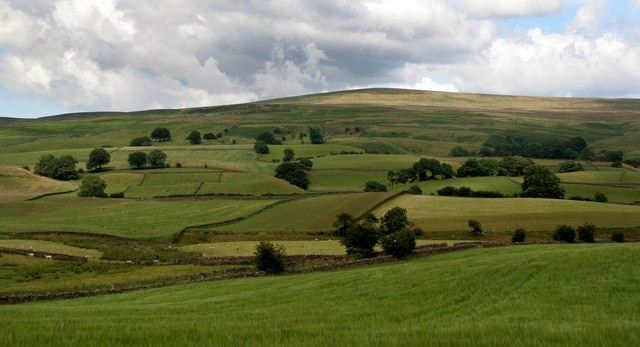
(219, 198)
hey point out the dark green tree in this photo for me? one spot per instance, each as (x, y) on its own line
(519, 235)
(395, 219)
(570, 166)
(156, 158)
(137, 159)
(140, 142)
(209, 136)
(343, 222)
(539, 182)
(374, 186)
(261, 147)
(268, 138)
(613, 156)
(194, 137)
(270, 258)
(97, 158)
(447, 171)
(587, 233)
(427, 169)
(476, 228)
(294, 173)
(399, 243)
(93, 186)
(63, 168)
(470, 168)
(289, 154)
(161, 134)
(44, 165)
(513, 166)
(359, 240)
(315, 135)
(565, 233)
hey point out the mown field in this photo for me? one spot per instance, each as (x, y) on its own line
(544, 295)
(200, 218)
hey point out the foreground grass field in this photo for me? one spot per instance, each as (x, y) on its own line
(552, 295)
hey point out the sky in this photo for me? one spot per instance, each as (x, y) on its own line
(59, 56)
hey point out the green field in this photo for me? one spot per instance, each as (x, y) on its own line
(518, 296)
(219, 199)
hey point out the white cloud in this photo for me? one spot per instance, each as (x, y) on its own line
(509, 8)
(120, 55)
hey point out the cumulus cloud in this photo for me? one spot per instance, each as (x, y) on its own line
(121, 55)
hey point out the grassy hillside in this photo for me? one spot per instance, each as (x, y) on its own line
(518, 296)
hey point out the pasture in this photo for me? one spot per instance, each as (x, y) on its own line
(219, 198)
(518, 296)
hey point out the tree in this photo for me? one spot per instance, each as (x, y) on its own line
(137, 159)
(513, 166)
(194, 137)
(395, 219)
(476, 227)
(63, 168)
(97, 158)
(343, 222)
(519, 235)
(617, 236)
(613, 156)
(416, 190)
(570, 166)
(289, 154)
(600, 197)
(268, 138)
(269, 257)
(209, 136)
(565, 233)
(140, 142)
(161, 134)
(399, 243)
(470, 168)
(587, 233)
(359, 240)
(93, 186)
(294, 173)
(156, 158)
(261, 147)
(422, 166)
(374, 186)
(315, 135)
(539, 182)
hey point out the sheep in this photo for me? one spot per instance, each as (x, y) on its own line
(48, 256)
(30, 254)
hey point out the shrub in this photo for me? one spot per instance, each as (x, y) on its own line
(519, 235)
(194, 137)
(117, 195)
(374, 186)
(600, 197)
(416, 190)
(360, 239)
(587, 232)
(399, 243)
(617, 236)
(269, 257)
(565, 233)
(476, 228)
(178, 165)
(92, 186)
(140, 141)
(26, 167)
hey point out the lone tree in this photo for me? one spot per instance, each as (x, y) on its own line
(268, 138)
(565, 233)
(374, 186)
(289, 154)
(194, 137)
(587, 233)
(97, 158)
(294, 173)
(137, 159)
(156, 158)
(93, 186)
(261, 147)
(269, 257)
(539, 182)
(476, 227)
(161, 134)
(315, 135)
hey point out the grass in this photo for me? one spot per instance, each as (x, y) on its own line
(434, 213)
(516, 296)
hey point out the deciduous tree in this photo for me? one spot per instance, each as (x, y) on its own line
(97, 158)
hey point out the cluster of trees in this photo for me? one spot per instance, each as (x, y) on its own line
(393, 232)
(508, 166)
(155, 159)
(424, 169)
(566, 233)
(295, 172)
(62, 168)
(573, 148)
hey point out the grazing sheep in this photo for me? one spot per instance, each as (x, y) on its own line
(30, 254)
(48, 256)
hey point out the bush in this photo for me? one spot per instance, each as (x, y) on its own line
(360, 239)
(600, 197)
(92, 186)
(269, 257)
(117, 195)
(476, 228)
(374, 186)
(617, 236)
(178, 165)
(416, 190)
(519, 235)
(140, 141)
(587, 233)
(399, 243)
(565, 233)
